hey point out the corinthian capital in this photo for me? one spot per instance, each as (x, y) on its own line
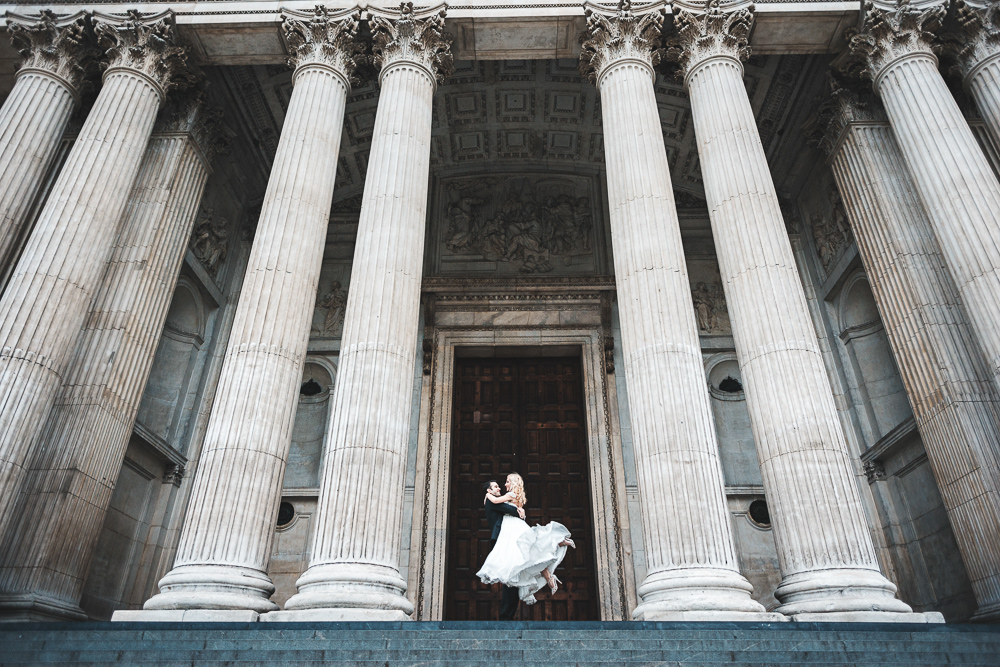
(191, 114)
(847, 104)
(404, 36)
(623, 35)
(976, 36)
(324, 38)
(886, 35)
(144, 44)
(713, 32)
(62, 47)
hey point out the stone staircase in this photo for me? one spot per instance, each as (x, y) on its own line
(495, 644)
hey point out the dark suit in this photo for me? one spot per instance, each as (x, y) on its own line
(509, 598)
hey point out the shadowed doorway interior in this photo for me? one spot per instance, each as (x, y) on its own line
(525, 416)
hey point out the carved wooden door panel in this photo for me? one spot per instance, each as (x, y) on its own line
(525, 416)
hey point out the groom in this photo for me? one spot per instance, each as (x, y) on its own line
(509, 599)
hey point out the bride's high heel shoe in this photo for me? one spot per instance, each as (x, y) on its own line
(554, 582)
(568, 542)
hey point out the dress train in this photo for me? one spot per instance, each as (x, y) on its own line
(520, 555)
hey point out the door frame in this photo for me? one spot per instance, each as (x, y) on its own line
(429, 532)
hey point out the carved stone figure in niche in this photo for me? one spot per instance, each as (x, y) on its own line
(709, 306)
(832, 233)
(333, 303)
(209, 241)
(523, 223)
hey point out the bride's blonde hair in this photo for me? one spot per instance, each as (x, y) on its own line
(517, 488)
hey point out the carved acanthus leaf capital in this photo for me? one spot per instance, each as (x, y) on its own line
(847, 104)
(405, 36)
(623, 35)
(325, 38)
(61, 46)
(191, 114)
(713, 32)
(886, 35)
(975, 38)
(146, 44)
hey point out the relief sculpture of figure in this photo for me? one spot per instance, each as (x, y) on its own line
(702, 298)
(209, 241)
(461, 233)
(334, 301)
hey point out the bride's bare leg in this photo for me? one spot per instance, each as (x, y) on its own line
(567, 543)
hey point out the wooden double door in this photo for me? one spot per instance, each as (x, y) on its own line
(524, 416)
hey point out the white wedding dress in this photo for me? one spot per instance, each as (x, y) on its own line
(521, 553)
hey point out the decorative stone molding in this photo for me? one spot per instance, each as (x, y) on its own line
(416, 38)
(191, 114)
(174, 474)
(976, 37)
(874, 471)
(715, 32)
(144, 44)
(886, 35)
(59, 46)
(623, 36)
(324, 39)
(846, 105)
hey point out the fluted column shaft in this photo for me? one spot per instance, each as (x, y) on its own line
(825, 551)
(954, 180)
(956, 184)
(32, 122)
(355, 549)
(225, 544)
(73, 470)
(692, 569)
(36, 113)
(47, 299)
(956, 406)
(983, 85)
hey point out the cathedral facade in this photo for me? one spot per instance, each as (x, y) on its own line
(284, 285)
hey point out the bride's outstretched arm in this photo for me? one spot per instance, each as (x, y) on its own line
(496, 500)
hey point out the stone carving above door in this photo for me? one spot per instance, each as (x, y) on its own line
(516, 224)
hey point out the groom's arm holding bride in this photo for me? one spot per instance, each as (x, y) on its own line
(503, 504)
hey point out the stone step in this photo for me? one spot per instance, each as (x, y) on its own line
(737, 644)
(496, 644)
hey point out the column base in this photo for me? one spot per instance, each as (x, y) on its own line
(716, 616)
(352, 589)
(840, 592)
(216, 587)
(870, 617)
(28, 607)
(696, 591)
(334, 615)
(185, 616)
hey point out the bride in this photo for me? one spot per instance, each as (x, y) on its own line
(524, 557)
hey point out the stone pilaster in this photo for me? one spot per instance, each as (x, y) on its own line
(975, 51)
(72, 471)
(56, 54)
(954, 180)
(354, 564)
(693, 572)
(46, 302)
(828, 563)
(225, 544)
(955, 404)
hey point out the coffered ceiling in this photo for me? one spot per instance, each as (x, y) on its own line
(530, 114)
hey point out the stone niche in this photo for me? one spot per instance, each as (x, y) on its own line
(517, 224)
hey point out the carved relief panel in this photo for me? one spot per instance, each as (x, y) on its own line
(517, 224)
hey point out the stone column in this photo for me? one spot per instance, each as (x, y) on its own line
(71, 475)
(828, 563)
(225, 544)
(955, 404)
(55, 56)
(51, 289)
(693, 572)
(954, 180)
(354, 564)
(975, 51)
